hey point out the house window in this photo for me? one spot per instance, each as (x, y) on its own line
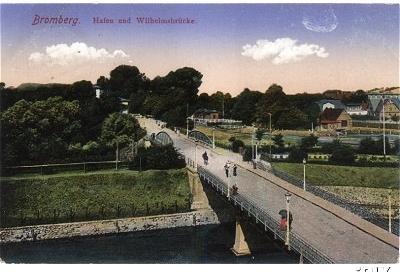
(344, 123)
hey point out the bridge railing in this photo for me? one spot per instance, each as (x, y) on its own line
(297, 243)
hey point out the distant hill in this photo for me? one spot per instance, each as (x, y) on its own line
(35, 86)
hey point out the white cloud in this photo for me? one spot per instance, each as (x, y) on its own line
(78, 52)
(282, 50)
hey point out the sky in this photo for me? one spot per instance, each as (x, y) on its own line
(302, 47)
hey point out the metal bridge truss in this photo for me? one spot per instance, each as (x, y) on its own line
(163, 138)
(297, 243)
(201, 137)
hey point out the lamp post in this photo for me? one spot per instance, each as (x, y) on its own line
(213, 131)
(390, 214)
(187, 127)
(116, 156)
(252, 147)
(195, 154)
(383, 125)
(304, 173)
(287, 196)
(270, 134)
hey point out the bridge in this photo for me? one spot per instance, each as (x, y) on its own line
(321, 232)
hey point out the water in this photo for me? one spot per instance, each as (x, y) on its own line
(205, 244)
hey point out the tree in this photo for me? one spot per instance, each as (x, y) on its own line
(328, 148)
(126, 79)
(343, 155)
(120, 129)
(81, 90)
(297, 154)
(236, 145)
(247, 155)
(157, 157)
(278, 140)
(244, 108)
(309, 142)
(259, 134)
(368, 146)
(39, 132)
(291, 118)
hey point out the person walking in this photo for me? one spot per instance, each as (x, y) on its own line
(226, 170)
(205, 158)
(234, 170)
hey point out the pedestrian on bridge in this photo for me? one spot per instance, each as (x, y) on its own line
(234, 170)
(205, 158)
(226, 170)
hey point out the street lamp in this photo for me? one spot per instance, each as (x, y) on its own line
(213, 132)
(270, 135)
(390, 214)
(304, 173)
(195, 153)
(187, 127)
(287, 195)
(383, 126)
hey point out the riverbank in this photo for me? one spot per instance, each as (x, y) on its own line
(101, 227)
(75, 197)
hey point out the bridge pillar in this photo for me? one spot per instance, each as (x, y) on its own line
(200, 200)
(240, 248)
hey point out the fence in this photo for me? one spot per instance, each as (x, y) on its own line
(46, 169)
(353, 207)
(297, 242)
(67, 215)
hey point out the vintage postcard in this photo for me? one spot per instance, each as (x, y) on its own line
(214, 133)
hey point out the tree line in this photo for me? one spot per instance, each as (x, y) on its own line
(66, 122)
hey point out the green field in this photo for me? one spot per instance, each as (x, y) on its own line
(334, 175)
(71, 197)
(222, 136)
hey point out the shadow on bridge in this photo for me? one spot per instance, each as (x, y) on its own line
(246, 232)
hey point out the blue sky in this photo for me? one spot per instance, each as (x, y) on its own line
(357, 47)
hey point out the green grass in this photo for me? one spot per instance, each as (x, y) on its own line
(68, 197)
(222, 136)
(333, 175)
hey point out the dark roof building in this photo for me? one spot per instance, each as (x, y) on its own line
(332, 119)
(205, 114)
(330, 103)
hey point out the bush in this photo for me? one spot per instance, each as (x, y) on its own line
(247, 156)
(343, 155)
(297, 155)
(236, 144)
(157, 157)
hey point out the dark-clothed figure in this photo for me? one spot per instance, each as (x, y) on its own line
(234, 170)
(226, 170)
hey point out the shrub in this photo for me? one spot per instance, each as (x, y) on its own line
(247, 156)
(236, 144)
(297, 155)
(157, 157)
(343, 155)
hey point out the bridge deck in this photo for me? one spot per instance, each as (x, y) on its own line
(333, 234)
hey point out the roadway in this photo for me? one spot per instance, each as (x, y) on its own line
(329, 232)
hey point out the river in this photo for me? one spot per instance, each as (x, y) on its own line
(202, 244)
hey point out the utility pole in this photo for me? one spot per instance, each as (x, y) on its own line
(287, 242)
(270, 136)
(223, 106)
(390, 214)
(116, 157)
(384, 140)
(187, 120)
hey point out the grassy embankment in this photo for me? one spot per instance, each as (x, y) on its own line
(369, 186)
(69, 197)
